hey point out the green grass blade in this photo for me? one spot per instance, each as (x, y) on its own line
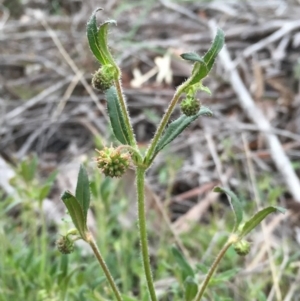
(184, 266)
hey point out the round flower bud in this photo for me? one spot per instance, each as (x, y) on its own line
(112, 163)
(190, 106)
(242, 247)
(65, 245)
(103, 79)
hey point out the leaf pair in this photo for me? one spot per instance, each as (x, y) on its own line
(78, 205)
(98, 39)
(254, 221)
(204, 64)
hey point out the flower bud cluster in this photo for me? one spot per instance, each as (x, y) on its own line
(242, 247)
(112, 162)
(103, 79)
(65, 245)
(190, 106)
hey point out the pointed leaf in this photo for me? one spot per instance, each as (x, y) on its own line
(191, 288)
(92, 35)
(192, 56)
(201, 69)
(83, 190)
(102, 38)
(177, 126)
(76, 212)
(205, 89)
(184, 266)
(44, 191)
(257, 218)
(116, 117)
(235, 205)
(98, 39)
(217, 45)
(29, 168)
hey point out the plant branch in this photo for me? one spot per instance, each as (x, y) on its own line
(140, 183)
(164, 121)
(91, 241)
(212, 269)
(125, 111)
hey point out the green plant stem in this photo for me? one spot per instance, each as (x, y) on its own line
(164, 121)
(212, 269)
(140, 183)
(125, 111)
(92, 243)
(44, 240)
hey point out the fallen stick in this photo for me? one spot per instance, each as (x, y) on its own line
(278, 155)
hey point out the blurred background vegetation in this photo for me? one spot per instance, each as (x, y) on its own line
(51, 121)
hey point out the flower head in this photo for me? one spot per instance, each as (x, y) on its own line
(242, 247)
(103, 79)
(65, 245)
(112, 162)
(190, 106)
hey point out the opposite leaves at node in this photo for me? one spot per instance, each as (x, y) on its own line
(112, 163)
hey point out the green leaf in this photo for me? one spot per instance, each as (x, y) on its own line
(192, 56)
(44, 191)
(102, 38)
(83, 190)
(217, 45)
(191, 288)
(186, 269)
(76, 212)
(176, 127)
(29, 168)
(235, 205)
(63, 268)
(257, 218)
(201, 69)
(116, 117)
(205, 89)
(98, 39)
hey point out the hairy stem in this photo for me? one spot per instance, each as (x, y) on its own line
(140, 183)
(125, 112)
(92, 243)
(212, 269)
